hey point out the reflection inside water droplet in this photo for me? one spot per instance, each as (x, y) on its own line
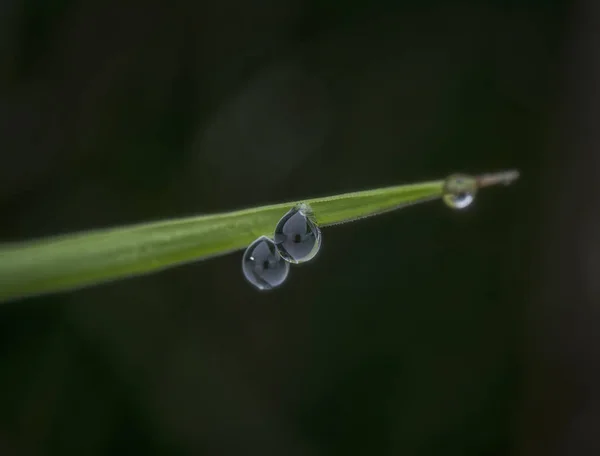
(297, 236)
(459, 191)
(263, 266)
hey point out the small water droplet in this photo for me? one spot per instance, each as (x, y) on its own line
(263, 266)
(459, 191)
(297, 236)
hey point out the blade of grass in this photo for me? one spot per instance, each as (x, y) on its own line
(83, 259)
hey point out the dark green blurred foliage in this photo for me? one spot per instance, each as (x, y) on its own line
(404, 336)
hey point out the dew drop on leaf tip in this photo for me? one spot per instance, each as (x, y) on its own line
(459, 191)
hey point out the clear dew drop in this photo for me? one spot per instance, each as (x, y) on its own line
(459, 191)
(297, 236)
(263, 266)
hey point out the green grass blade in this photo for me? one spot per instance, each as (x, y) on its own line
(83, 259)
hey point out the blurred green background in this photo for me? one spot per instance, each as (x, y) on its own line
(411, 333)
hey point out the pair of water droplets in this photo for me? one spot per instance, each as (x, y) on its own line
(297, 237)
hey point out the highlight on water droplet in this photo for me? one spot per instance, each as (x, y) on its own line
(263, 266)
(297, 235)
(459, 191)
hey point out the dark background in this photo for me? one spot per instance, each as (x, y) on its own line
(421, 332)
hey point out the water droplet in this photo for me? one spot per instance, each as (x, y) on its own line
(263, 266)
(459, 191)
(297, 236)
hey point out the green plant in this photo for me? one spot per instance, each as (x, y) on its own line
(83, 259)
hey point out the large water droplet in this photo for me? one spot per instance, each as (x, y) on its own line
(459, 191)
(263, 266)
(297, 236)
